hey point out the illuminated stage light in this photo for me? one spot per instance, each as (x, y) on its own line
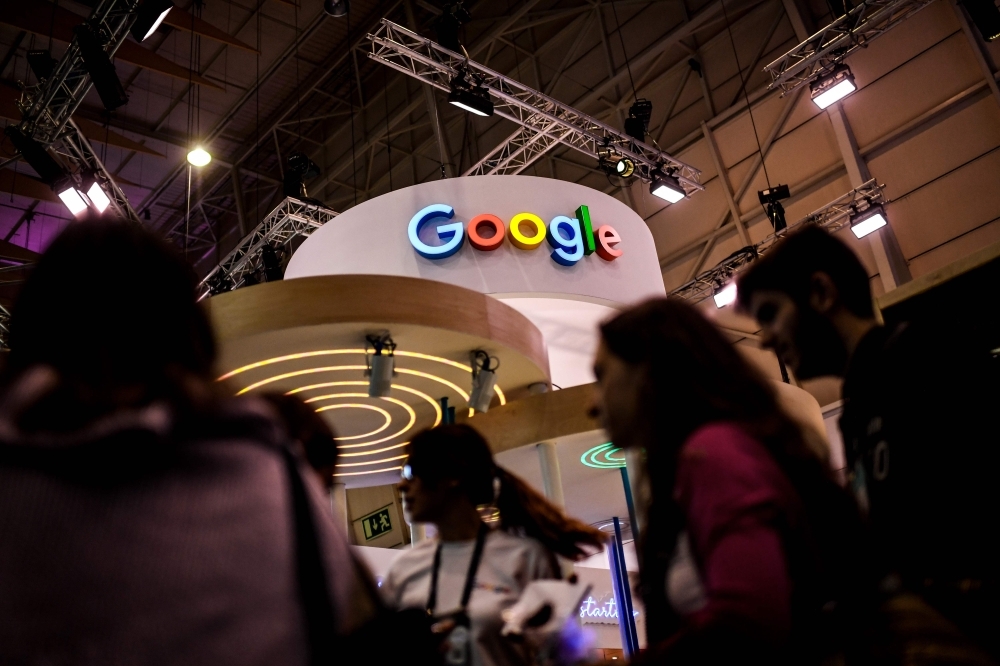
(667, 187)
(374, 471)
(599, 457)
(199, 157)
(832, 87)
(725, 295)
(373, 462)
(149, 16)
(867, 221)
(72, 198)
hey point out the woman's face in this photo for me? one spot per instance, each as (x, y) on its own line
(615, 400)
(424, 502)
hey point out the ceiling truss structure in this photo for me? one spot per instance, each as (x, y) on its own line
(853, 30)
(47, 108)
(544, 121)
(833, 217)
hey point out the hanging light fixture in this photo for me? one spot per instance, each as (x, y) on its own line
(484, 380)
(99, 66)
(868, 220)
(381, 365)
(469, 94)
(667, 187)
(71, 196)
(148, 18)
(336, 8)
(199, 157)
(95, 193)
(725, 295)
(832, 86)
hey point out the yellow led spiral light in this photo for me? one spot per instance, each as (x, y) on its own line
(358, 405)
(409, 410)
(372, 462)
(431, 401)
(331, 352)
(373, 471)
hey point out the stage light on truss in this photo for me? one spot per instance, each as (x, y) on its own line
(625, 167)
(667, 187)
(381, 365)
(199, 157)
(35, 155)
(484, 380)
(71, 196)
(149, 16)
(832, 86)
(725, 295)
(868, 220)
(101, 69)
(96, 194)
(471, 101)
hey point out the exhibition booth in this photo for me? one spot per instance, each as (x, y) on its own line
(486, 292)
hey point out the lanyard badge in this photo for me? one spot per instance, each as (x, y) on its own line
(458, 641)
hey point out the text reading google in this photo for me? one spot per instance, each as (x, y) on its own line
(571, 238)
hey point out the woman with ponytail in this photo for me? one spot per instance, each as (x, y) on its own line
(470, 573)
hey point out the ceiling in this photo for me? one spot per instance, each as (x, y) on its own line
(925, 121)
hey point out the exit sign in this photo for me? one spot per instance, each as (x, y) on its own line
(376, 524)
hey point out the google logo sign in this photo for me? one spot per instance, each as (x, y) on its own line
(571, 238)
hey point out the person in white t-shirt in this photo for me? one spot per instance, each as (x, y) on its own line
(470, 573)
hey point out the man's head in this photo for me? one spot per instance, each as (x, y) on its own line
(811, 297)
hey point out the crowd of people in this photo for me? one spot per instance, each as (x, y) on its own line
(149, 517)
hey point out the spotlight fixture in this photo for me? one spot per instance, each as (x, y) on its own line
(868, 220)
(199, 157)
(298, 168)
(148, 18)
(725, 294)
(101, 69)
(832, 86)
(484, 379)
(467, 92)
(770, 199)
(637, 123)
(625, 167)
(71, 196)
(667, 187)
(35, 155)
(381, 365)
(95, 194)
(985, 16)
(41, 63)
(337, 8)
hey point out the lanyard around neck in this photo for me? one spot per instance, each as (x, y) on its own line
(470, 577)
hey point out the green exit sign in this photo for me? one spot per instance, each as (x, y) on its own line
(376, 524)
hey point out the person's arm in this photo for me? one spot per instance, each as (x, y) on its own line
(730, 494)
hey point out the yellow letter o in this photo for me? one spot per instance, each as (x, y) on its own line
(519, 239)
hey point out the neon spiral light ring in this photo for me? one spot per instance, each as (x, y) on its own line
(601, 457)
(357, 405)
(409, 410)
(433, 403)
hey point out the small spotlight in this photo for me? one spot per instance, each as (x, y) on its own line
(869, 220)
(667, 187)
(336, 8)
(98, 198)
(101, 69)
(625, 167)
(468, 93)
(71, 196)
(484, 380)
(199, 157)
(832, 87)
(298, 169)
(725, 295)
(770, 199)
(381, 365)
(149, 16)
(481, 105)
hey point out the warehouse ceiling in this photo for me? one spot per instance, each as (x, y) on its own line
(255, 80)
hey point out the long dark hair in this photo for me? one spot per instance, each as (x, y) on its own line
(690, 375)
(459, 452)
(111, 309)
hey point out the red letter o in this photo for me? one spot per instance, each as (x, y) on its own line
(486, 244)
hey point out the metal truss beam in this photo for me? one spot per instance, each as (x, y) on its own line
(291, 219)
(826, 48)
(544, 121)
(834, 216)
(47, 108)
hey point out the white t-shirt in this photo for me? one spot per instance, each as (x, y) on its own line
(508, 564)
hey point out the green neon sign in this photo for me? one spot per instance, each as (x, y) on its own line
(603, 457)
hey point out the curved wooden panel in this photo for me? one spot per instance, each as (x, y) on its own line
(374, 300)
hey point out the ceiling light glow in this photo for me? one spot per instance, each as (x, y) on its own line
(73, 200)
(431, 401)
(358, 405)
(372, 462)
(409, 410)
(868, 221)
(98, 197)
(726, 295)
(199, 157)
(667, 188)
(374, 471)
(832, 87)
